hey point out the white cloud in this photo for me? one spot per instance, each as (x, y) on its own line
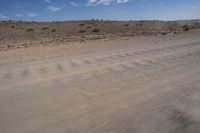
(73, 4)
(105, 2)
(3, 16)
(53, 8)
(31, 14)
(91, 1)
(47, 1)
(122, 1)
(97, 2)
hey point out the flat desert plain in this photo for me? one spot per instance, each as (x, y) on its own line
(139, 81)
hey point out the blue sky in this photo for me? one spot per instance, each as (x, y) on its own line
(48, 10)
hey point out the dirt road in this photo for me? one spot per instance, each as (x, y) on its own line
(144, 85)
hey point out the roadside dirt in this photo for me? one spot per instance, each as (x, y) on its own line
(139, 85)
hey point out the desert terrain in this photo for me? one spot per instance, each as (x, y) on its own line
(19, 34)
(134, 77)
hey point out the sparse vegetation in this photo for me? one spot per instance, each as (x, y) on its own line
(81, 24)
(126, 25)
(81, 31)
(45, 28)
(164, 33)
(53, 30)
(186, 27)
(30, 30)
(96, 30)
(12, 26)
(70, 31)
(175, 32)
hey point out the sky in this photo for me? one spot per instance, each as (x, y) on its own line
(59, 10)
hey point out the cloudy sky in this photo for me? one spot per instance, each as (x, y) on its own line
(48, 10)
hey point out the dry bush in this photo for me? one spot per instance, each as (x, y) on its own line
(175, 32)
(12, 26)
(81, 31)
(81, 24)
(53, 30)
(126, 25)
(186, 27)
(30, 30)
(45, 28)
(96, 30)
(164, 33)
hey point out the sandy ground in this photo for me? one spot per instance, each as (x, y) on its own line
(140, 85)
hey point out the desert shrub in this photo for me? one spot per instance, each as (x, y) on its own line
(164, 33)
(88, 27)
(126, 25)
(176, 32)
(53, 30)
(45, 28)
(30, 30)
(81, 31)
(186, 27)
(12, 26)
(96, 30)
(81, 24)
(9, 46)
